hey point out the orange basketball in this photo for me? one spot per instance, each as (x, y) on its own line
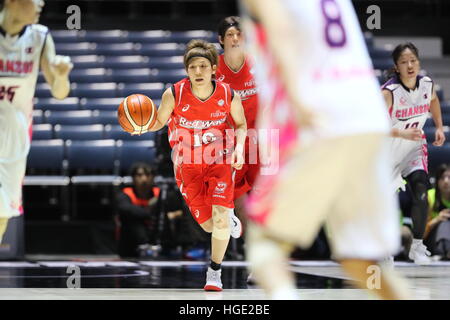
(136, 114)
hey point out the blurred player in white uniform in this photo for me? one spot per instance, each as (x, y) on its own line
(319, 92)
(24, 47)
(410, 97)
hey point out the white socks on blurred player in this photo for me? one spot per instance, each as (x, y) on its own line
(285, 293)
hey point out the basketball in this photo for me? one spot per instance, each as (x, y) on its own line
(136, 114)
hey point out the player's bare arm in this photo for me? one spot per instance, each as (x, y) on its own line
(238, 115)
(413, 134)
(278, 22)
(165, 110)
(435, 109)
(56, 69)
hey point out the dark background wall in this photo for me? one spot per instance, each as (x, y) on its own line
(410, 18)
(141, 14)
(398, 17)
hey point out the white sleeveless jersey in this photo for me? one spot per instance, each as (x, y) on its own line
(19, 67)
(335, 76)
(409, 107)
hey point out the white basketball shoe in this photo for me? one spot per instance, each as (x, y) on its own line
(419, 253)
(235, 225)
(213, 280)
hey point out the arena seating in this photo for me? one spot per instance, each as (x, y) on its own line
(79, 137)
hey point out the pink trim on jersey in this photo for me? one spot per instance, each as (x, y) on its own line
(30, 131)
(339, 73)
(283, 119)
(425, 156)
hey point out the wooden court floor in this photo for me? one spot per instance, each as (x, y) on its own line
(99, 279)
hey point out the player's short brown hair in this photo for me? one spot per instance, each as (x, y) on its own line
(200, 48)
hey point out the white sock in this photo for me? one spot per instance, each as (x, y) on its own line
(416, 242)
(285, 293)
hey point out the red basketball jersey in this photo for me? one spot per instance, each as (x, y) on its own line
(243, 83)
(201, 126)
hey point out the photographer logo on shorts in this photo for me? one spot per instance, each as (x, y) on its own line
(197, 213)
(220, 188)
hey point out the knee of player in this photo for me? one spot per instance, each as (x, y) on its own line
(221, 223)
(420, 194)
(221, 218)
(207, 226)
(418, 181)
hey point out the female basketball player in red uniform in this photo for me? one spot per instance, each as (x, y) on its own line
(198, 110)
(236, 69)
(25, 48)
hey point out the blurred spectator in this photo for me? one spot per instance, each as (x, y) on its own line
(437, 233)
(181, 235)
(163, 160)
(178, 232)
(137, 208)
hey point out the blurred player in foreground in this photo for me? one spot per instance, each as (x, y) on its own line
(197, 109)
(24, 47)
(319, 94)
(410, 97)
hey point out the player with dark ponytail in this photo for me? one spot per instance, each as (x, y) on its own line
(410, 97)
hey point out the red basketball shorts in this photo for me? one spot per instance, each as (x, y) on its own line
(205, 185)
